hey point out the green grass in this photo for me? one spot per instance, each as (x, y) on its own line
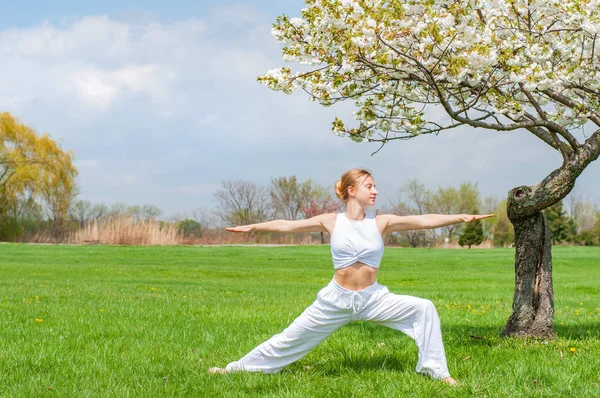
(99, 321)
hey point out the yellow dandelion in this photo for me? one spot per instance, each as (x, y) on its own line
(39, 320)
(184, 296)
(101, 310)
(572, 349)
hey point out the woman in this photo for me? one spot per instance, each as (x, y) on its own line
(354, 294)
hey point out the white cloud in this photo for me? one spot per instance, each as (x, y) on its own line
(101, 88)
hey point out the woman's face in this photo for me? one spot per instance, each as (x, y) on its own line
(366, 193)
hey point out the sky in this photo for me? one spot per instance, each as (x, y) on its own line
(159, 103)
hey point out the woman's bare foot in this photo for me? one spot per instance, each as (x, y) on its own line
(450, 381)
(217, 370)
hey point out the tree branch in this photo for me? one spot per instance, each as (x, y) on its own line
(563, 99)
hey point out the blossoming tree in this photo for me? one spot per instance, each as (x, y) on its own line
(496, 64)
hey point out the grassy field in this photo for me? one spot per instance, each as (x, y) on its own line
(101, 321)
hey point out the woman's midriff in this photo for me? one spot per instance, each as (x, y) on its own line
(358, 276)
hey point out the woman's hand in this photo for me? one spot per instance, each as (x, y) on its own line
(474, 217)
(241, 228)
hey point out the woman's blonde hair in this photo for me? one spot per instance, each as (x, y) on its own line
(351, 178)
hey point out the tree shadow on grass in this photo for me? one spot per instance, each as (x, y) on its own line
(361, 363)
(580, 331)
(583, 331)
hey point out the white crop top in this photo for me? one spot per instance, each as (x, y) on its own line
(356, 241)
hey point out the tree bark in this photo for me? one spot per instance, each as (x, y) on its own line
(533, 301)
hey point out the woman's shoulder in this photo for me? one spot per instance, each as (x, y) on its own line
(326, 216)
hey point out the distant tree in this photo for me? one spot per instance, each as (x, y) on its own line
(571, 229)
(206, 217)
(503, 233)
(24, 219)
(288, 196)
(489, 206)
(596, 230)
(581, 209)
(472, 234)
(416, 199)
(585, 215)
(414, 238)
(454, 201)
(58, 197)
(469, 197)
(140, 212)
(190, 228)
(203, 217)
(557, 222)
(444, 201)
(320, 202)
(586, 238)
(242, 202)
(118, 209)
(81, 212)
(34, 166)
(150, 212)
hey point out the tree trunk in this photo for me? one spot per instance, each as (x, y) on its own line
(533, 302)
(322, 238)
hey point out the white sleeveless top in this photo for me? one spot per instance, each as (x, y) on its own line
(356, 241)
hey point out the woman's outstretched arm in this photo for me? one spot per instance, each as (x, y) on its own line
(394, 223)
(320, 223)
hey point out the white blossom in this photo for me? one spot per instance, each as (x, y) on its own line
(365, 49)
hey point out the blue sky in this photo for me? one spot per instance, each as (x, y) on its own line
(159, 102)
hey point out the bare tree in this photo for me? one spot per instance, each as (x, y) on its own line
(488, 206)
(445, 201)
(416, 203)
(582, 210)
(81, 211)
(242, 202)
(288, 196)
(150, 212)
(320, 202)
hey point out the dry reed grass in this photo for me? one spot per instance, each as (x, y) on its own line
(127, 230)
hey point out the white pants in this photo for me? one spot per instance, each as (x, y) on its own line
(337, 306)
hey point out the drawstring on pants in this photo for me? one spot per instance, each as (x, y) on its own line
(356, 302)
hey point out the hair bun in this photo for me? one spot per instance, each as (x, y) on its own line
(338, 190)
